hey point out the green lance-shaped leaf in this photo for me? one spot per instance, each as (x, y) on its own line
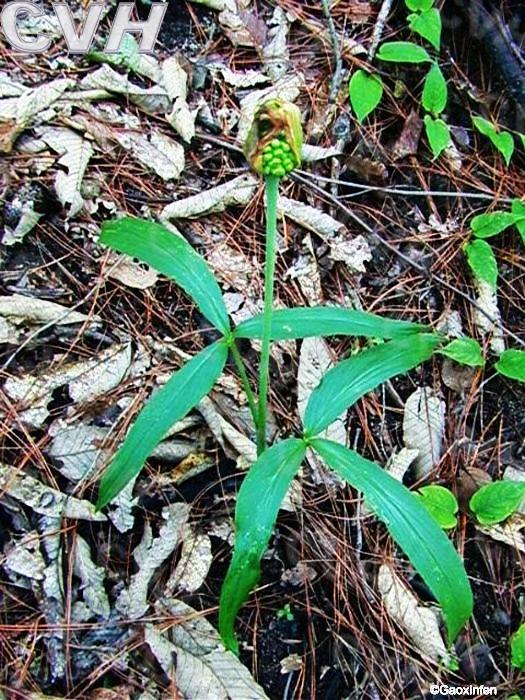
(438, 134)
(173, 256)
(428, 25)
(349, 380)
(168, 405)
(482, 262)
(435, 93)
(365, 91)
(517, 648)
(306, 322)
(258, 503)
(403, 52)
(495, 502)
(411, 526)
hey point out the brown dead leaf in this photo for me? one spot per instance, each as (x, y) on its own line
(469, 481)
(408, 141)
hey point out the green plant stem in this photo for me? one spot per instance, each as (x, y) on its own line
(272, 194)
(244, 380)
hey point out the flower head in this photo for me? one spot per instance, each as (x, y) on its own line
(275, 139)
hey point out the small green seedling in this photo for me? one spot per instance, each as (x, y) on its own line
(495, 502)
(517, 648)
(465, 351)
(285, 613)
(265, 485)
(441, 504)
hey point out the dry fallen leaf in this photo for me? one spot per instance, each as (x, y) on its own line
(420, 623)
(424, 427)
(236, 192)
(487, 300)
(194, 655)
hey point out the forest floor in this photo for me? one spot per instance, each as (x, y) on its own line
(123, 604)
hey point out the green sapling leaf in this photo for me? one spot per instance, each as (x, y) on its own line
(403, 52)
(438, 134)
(435, 92)
(174, 257)
(482, 262)
(501, 140)
(428, 25)
(517, 648)
(488, 225)
(441, 505)
(258, 502)
(518, 208)
(168, 405)
(512, 364)
(411, 526)
(466, 351)
(365, 91)
(495, 502)
(420, 5)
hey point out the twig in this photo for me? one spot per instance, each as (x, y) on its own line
(336, 48)
(429, 275)
(379, 27)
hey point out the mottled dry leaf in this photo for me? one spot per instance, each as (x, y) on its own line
(194, 563)
(398, 464)
(424, 427)
(149, 555)
(45, 500)
(159, 153)
(86, 381)
(236, 192)
(24, 558)
(309, 217)
(196, 658)
(19, 313)
(275, 54)
(306, 271)
(130, 273)
(75, 153)
(76, 448)
(420, 623)
(153, 100)
(92, 580)
(487, 300)
(509, 532)
(353, 252)
(231, 266)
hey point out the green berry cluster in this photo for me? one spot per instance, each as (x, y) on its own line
(278, 158)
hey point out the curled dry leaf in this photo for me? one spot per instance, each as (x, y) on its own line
(309, 217)
(76, 448)
(275, 53)
(149, 555)
(236, 192)
(86, 381)
(24, 558)
(194, 563)
(196, 658)
(420, 623)
(398, 464)
(424, 427)
(130, 273)
(92, 580)
(353, 252)
(75, 153)
(43, 499)
(488, 301)
(154, 100)
(19, 313)
(157, 152)
(306, 271)
(509, 532)
(175, 80)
